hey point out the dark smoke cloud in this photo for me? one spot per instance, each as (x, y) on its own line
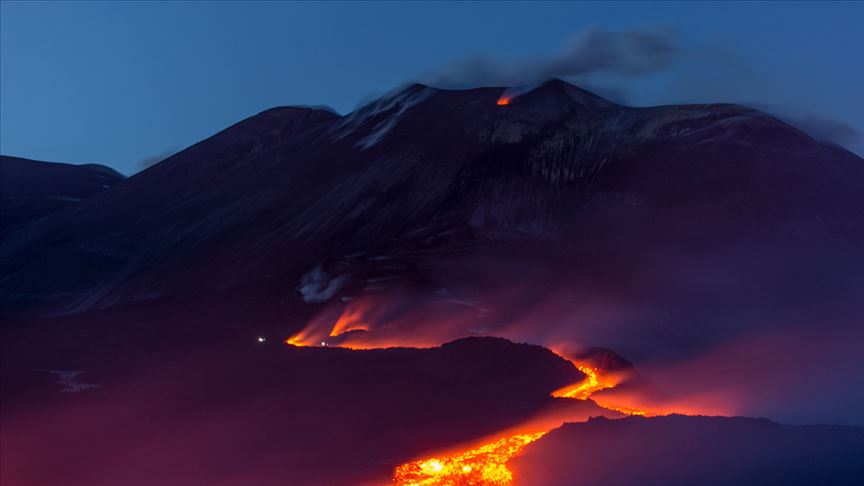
(632, 53)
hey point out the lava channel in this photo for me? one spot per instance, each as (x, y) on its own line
(486, 465)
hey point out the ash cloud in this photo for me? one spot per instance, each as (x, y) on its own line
(632, 53)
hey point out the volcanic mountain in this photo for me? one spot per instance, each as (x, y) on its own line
(656, 232)
(147, 327)
(425, 172)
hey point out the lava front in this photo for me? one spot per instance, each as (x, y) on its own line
(485, 465)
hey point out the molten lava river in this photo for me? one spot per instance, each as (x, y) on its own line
(486, 464)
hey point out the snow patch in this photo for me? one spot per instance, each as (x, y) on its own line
(404, 103)
(395, 104)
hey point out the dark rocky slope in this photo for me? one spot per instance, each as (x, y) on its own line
(30, 189)
(679, 450)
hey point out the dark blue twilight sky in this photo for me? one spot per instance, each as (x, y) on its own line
(122, 83)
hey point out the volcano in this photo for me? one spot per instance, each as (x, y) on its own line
(423, 172)
(238, 293)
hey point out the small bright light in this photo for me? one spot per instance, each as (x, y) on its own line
(261, 339)
(323, 343)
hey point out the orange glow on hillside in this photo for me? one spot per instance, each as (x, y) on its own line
(504, 100)
(485, 465)
(350, 320)
(296, 340)
(628, 410)
(317, 332)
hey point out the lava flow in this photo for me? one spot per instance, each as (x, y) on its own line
(593, 382)
(485, 465)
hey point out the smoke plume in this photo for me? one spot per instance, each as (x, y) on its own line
(604, 61)
(631, 53)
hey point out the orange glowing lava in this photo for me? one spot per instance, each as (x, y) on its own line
(593, 382)
(596, 380)
(296, 340)
(504, 100)
(350, 320)
(485, 465)
(627, 410)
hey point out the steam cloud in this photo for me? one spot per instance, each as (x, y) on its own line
(631, 53)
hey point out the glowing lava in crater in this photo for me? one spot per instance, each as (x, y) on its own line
(510, 94)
